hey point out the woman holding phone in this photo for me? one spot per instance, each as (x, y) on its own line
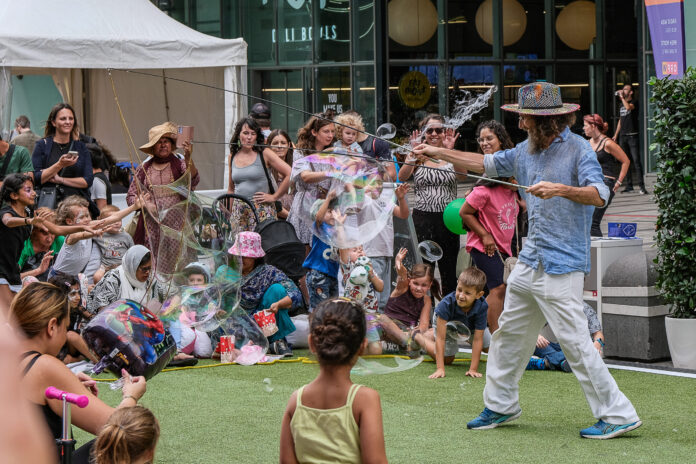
(60, 159)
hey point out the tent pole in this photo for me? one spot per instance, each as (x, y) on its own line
(166, 98)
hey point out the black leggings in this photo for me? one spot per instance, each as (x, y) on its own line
(430, 226)
(598, 214)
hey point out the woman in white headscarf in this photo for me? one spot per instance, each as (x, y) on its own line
(131, 280)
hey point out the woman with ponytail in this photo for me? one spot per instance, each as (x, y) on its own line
(128, 437)
(611, 157)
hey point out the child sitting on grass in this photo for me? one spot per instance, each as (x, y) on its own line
(409, 305)
(129, 436)
(113, 244)
(466, 305)
(354, 412)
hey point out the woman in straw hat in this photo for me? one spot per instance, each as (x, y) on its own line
(566, 183)
(164, 176)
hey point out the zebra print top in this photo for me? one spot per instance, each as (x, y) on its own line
(434, 189)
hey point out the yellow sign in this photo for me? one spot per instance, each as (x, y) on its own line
(414, 89)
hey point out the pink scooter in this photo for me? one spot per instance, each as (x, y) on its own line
(66, 444)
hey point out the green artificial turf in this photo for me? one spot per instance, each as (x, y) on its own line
(227, 414)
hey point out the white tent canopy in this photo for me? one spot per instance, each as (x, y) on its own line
(78, 41)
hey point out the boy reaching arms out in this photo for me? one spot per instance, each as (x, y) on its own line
(466, 305)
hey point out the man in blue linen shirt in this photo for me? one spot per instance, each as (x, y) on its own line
(566, 184)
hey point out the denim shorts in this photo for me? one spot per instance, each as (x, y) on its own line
(320, 287)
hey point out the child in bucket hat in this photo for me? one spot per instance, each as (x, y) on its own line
(247, 245)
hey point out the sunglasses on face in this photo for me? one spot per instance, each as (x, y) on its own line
(437, 130)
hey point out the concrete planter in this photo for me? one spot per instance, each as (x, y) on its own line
(681, 337)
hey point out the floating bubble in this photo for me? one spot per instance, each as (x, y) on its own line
(384, 365)
(458, 334)
(386, 131)
(361, 199)
(267, 385)
(391, 347)
(245, 343)
(126, 335)
(430, 251)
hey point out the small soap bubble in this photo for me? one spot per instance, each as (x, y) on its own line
(267, 385)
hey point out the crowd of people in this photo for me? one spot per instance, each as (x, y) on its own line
(66, 256)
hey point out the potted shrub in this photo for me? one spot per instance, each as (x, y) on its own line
(675, 193)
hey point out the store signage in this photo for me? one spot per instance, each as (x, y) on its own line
(304, 34)
(333, 104)
(666, 20)
(414, 89)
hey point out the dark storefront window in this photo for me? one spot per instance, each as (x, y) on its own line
(294, 35)
(332, 32)
(413, 94)
(524, 29)
(364, 84)
(260, 33)
(575, 28)
(413, 29)
(468, 38)
(333, 85)
(363, 30)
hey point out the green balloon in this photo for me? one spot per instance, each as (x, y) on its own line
(453, 221)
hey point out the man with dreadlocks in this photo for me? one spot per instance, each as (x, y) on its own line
(566, 184)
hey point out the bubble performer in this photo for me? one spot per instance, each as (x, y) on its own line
(566, 183)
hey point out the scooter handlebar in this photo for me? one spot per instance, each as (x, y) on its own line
(52, 393)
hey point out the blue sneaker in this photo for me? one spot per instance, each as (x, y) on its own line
(536, 364)
(489, 419)
(603, 431)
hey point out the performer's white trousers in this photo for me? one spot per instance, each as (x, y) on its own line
(533, 297)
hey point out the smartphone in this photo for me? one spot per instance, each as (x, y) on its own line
(73, 154)
(184, 134)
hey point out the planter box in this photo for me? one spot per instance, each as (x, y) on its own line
(633, 314)
(634, 323)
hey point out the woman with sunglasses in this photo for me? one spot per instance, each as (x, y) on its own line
(434, 187)
(611, 157)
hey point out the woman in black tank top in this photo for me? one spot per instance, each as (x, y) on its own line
(611, 158)
(42, 313)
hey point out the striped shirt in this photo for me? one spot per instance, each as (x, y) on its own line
(434, 189)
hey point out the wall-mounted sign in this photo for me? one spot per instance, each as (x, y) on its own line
(414, 89)
(666, 21)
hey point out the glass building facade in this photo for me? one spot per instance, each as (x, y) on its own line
(399, 60)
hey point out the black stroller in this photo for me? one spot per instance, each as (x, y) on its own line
(278, 238)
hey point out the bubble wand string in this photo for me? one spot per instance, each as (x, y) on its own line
(405, 163)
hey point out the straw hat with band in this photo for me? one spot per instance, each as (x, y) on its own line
(541, 99)
(167, 129)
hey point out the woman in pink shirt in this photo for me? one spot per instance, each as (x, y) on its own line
(490, 214)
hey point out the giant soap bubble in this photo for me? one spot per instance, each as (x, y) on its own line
(361, 199)
(126, 335)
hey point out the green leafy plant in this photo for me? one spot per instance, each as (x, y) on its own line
(675, 190)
